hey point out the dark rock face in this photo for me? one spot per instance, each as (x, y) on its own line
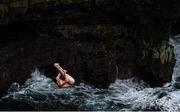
(86, 60)
(156, 59)
(96, 41)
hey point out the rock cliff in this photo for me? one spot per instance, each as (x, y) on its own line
(95, 40)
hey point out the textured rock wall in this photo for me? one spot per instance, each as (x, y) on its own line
(93, 39)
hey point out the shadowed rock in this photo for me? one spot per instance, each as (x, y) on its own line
(92, 40)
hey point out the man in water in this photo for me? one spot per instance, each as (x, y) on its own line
(63, 79)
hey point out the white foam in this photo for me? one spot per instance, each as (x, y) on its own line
(131, 94)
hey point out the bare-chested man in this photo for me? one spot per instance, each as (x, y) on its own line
(63, 79)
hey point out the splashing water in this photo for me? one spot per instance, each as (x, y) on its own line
(41, 93)
(176, 75)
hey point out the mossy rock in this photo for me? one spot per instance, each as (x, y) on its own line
(3, 10)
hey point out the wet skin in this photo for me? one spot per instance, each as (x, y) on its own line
(67, 81)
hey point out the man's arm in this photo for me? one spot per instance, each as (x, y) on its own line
(60, 69)
(59, 81)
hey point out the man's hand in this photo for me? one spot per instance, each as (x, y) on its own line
(56, 64)
(61, 70)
